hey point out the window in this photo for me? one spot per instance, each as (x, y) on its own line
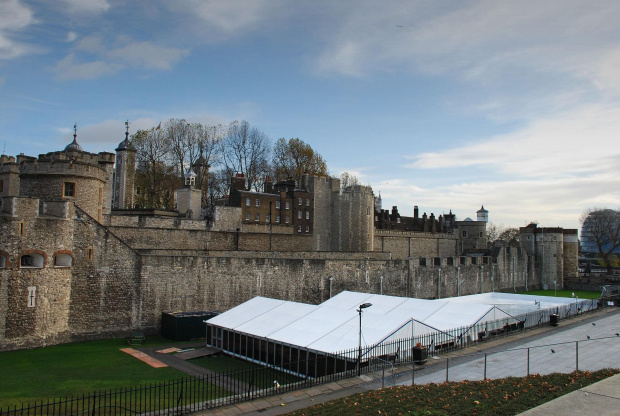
(307, 228)
(63, 260)
(277, 204)
(248, 202)
(299, 228)
(307, 215)
(257, 202)
(287, 205)
(68, 190)
(398, 220)
(1, 185)
(464, 234)
(300, 202)
(31, 261)
(286, 219)
(247, 216)
(89, 253)
(480, 235)
(21, 228)
(268, 218)
(299, 214)
(32, 296)
(307, 202)
(100, 196)
(277, 219)
(422, 261)
(257, 217)
(2, 261)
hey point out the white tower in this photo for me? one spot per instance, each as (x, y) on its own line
(483, 214)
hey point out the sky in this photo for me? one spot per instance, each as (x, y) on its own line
(447, 105)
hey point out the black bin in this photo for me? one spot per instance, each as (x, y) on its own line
(554, 319)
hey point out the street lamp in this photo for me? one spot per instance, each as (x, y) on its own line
(359, 355)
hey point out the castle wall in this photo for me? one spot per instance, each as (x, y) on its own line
(403, 244)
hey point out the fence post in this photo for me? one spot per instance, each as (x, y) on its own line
(485, 366)
(447, 367)
(528, 361)
(576, 355)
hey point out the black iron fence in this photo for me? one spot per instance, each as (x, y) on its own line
(283, 372)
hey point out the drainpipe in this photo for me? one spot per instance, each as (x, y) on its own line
(439, 283)
(330, 287)
(458, 281)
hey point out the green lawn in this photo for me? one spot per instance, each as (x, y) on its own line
(77, 368)
(582, 294)
(263, 377)
(509, 396)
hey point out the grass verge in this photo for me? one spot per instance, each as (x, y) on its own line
(77, 368)
(245, 371)
(509, 396)
(582, 294)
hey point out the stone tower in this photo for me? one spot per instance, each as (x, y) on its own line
(189, 198)
(124, 173)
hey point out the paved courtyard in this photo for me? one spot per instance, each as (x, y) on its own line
(590, 345)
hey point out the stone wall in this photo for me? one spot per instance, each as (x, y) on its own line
(403, 244)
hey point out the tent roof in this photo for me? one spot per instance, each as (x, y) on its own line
(334, 326)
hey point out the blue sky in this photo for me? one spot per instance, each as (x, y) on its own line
(442, 104)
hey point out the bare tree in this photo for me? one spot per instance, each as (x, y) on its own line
(246, 150)
(602, 227)
(508, 235)
(346, 179)
(155, 174)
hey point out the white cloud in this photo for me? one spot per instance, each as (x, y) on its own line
(87, 6)
(141, 55)
(230, 17)
(71, 37)
(479, 39)
(575, 143)
(14, 18)
(70, 68)
(148, 55)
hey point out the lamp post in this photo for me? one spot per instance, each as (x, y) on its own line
(359, 354)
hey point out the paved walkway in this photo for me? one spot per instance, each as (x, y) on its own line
(569, 342)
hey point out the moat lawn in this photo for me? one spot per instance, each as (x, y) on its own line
(581, 294)
(78, 368)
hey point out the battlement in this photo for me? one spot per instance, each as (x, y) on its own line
(64, 166)
(6, 159)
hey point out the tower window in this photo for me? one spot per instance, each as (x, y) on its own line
(63, 260)
(68, 189)
(464, 234)
(31, 261)
(247, 216)
(257, 202)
